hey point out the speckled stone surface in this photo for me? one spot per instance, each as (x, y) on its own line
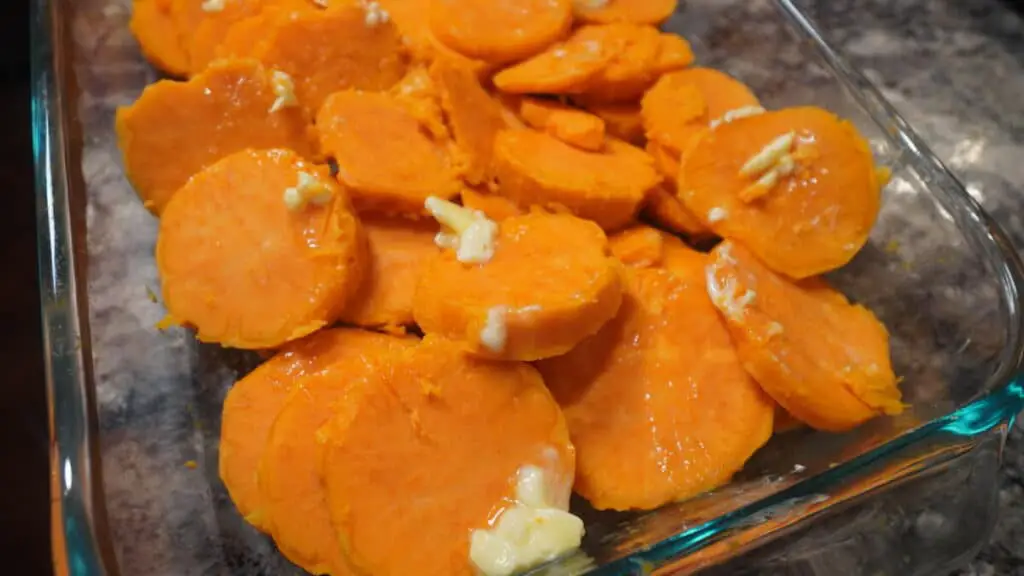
(955, 70)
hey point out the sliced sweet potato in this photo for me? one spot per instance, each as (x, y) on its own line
(325, 51)
(666, 210)
(289, 482)
(245, 268)
(214, 25)
(607, 63)
(495, 207)
(640, 55)
(622, 120)
(474, 116)
(398, 250)
(570, 125)
(383, 154)
(499, 31)
(824, 360)
(628, 11)
(250, 408)
(418, 94)
(669, 413)
(548, 285)
(452, 415)
(175, 129)
(607, 187)
(639, 246)
(159, 38)
(682, 104)
(796, 186)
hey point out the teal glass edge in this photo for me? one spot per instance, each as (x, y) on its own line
(73, 419)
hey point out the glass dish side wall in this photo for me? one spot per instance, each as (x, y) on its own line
(935, 270)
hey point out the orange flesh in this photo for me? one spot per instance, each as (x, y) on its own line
(568, 124)
(534, 168)
(810, 222)
(502, 30)
(383, 154)
(549, 271)
(347, 54)
(669, 413)
(175, 129)
(449, 415)
(305, 267)
(213, 27)
(664, 209)
(682, 104)
(159, 38)
(289, 482)
(640, 246)
(495, 207)
(822, 359)
(398, 250)
(629, 11)
(249, 411)
(475, 117)
(621, 120)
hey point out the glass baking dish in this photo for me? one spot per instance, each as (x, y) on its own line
(135, 411)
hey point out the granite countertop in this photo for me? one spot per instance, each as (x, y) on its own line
(955, 70)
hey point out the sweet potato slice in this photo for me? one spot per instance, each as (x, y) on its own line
(564, 68)
(159, 38)
(621, 120)
(398, 250)
(244, 267)
(821, 358)
(796, 186)
(452, 415)
(639, 246)
(175, 129)
(325, 51)
(669, 412)
(249, 411)
(288, 478)
(682, 104)
(548, 285)
(383, 154)
(499, 31)
(214, 25)
(570, 125)
(640, 55)
(474, 116)
(666, 210)
(607, 187)
(493, 206)
(627, 11)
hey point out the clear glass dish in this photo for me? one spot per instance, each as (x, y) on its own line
(135, 412)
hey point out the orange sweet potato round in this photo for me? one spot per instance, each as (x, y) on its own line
(250, 408)
(669, 412)
(824, 360)
(798, 187)
(425, 456)
(549, 284)
(244, 269)
(288, 477)
(175, 129)
(383, 154)
(159, 37)
(607, 187)
(500, 31)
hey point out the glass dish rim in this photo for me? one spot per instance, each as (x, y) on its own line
(79, 505)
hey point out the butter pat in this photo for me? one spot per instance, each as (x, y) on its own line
(212, 6)
(284, 89)
(736, 114)
(308, 190)
(470, 233)
(495, 330)
(534, 530)
(724, 297)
